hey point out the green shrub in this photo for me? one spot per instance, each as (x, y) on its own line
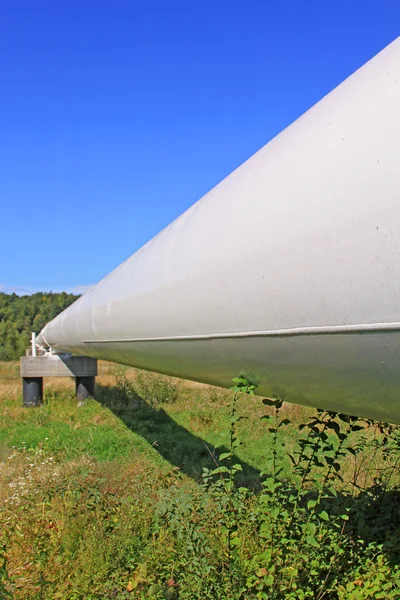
(287, 542)
(156, 389)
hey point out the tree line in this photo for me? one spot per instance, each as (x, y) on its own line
(20, 315)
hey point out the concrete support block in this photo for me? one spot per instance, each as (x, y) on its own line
(85, 388)
(32, 391)
(34, 368)
(54, 365)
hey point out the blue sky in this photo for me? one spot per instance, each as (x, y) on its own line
(117, 116)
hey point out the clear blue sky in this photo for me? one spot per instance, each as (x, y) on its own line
(116, 116)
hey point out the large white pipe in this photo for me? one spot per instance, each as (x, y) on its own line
(288, 271)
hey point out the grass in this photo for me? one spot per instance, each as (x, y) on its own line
(175, 423)
(107, 500)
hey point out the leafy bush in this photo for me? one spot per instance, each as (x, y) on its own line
(289, 541)
(156, 389)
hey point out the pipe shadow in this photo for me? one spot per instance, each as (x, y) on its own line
(374, 513)
(176, 444)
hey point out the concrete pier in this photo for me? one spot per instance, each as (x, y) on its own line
(32, 391)
(85, 388)
(34, 368)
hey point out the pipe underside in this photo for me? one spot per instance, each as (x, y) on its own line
(286, 272)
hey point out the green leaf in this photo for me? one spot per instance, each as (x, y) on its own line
(237, 467)
(323, 515)
(219, 470)
(225, 455)
(312, 541)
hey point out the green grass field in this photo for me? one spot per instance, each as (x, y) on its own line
(109, 500)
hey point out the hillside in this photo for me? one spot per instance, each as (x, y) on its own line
(20, 315)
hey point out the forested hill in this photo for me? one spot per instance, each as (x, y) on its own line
(20, 315)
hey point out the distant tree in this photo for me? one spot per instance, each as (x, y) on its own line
(20, 315)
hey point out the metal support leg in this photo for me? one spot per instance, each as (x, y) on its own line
(85, 388)
(32, 391)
